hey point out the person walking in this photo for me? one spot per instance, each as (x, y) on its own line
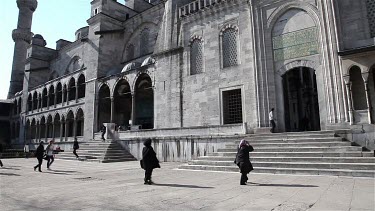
(49, 154)
(272, 120)
(149, 161)
(75, 147)
(103, 129)
(243, 160)
(39, 153)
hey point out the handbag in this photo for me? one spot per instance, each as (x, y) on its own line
(141, 163)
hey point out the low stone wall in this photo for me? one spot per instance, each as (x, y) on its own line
(180, 148)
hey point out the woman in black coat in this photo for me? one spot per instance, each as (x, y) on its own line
(39, 155)
(75, 147)
(243, 160)
(149, 161)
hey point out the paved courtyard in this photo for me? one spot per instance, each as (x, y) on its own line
(74, 185)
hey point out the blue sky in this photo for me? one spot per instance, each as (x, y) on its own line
(53, 19)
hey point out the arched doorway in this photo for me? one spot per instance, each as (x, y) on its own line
(79, 123)
(49, 127)
(123, 104)
(69, 124)
(33, 129)
(301, 100)
(144, 102)
(57, 125)
(42, 127)
(104, 108)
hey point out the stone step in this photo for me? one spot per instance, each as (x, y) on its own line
(301, 171)
(299, 149)
(297, 154)
(309, 134)
(304, 144)
(325, 165)
(298, 159)
(291, 140)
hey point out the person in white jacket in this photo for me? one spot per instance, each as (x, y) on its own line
(49, 154)
(272, 120)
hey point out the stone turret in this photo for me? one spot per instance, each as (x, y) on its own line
(22, 38)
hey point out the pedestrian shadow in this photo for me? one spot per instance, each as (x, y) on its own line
(9, 174)
(50, 172)
(62, 171)
(283, 185)
(181, 186)
(10, 168)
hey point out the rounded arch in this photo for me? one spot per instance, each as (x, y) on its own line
(80, 119)
(122, 103)
(42, 127)
(139, 74)
(295, 64)
(59, 93)
(72, 89)
(35, 100)
(358, 88)
(33, 131)
(308, 8)
(51, 96)
(144, 102)
(81, 83)
(30, 102)
(69, 121)
(75, 64)
(104, 105)
(49, 126)
(44, 97)
(56, 125)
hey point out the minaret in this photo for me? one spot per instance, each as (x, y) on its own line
(22, 38)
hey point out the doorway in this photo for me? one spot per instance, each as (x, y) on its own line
(301, 100)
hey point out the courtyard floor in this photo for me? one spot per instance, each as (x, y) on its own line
(75, 185)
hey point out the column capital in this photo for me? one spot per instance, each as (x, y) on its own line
(22, 34)
(29, 4)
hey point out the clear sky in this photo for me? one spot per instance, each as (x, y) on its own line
(53, 19)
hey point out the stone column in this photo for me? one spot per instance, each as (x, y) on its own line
(67, 96)
(48, 101)
(133, 109)
(112, 109)
(62, 96)
(368, 100)
(76, 91)
(55, 100)
(348, 85)
(61, 130)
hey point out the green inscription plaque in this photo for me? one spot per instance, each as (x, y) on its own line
(296, 44)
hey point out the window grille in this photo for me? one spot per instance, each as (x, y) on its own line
(232, 106)
(371, 16)
(196, 57)
(229, 46)
(130, 52)
(144, 42)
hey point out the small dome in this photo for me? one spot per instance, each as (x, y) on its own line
(148, 61)
(38, 40)
(130, 66)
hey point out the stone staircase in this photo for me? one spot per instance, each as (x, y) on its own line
(98, 151)
(308, 153)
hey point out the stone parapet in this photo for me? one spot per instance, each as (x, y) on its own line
(22, 34)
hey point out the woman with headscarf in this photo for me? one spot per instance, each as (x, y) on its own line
(243, 160)
(39, 155)
(149, 161)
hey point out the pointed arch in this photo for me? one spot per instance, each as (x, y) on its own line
(144, 102)
(104, 107)
(72, 89)
(59, 93)
(80, 119)
(122, 103)
(81, 83)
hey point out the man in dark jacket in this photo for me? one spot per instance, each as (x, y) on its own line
(103, 130)
(243, 160)
(149, 160)
(75, 147)
(39, 155)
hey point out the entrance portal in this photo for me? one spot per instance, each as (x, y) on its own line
(301, 100)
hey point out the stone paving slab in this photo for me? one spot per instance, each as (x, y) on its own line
(75, 185)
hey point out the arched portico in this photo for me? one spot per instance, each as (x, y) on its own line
(122, 104)
(143, 113)
(104, 105)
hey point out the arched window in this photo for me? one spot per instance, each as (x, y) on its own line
(35, 100)
(196, 57)
(29, 103)
(45, 97)
(59, 93)
(130, 52)
(51, 96)
(79, 123)
(144, 42)
(72, 89)
(229, 47)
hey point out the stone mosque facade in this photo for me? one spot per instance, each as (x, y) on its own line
(160, 68)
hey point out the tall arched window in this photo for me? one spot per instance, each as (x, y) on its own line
(144, 42)
(81, 86)
(196, 57)
(130, 52)
(229, 47)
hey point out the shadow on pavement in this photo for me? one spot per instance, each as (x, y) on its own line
(61, 171)
(11, 168)
(181, 186)
(9, 174)
(283, 185)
